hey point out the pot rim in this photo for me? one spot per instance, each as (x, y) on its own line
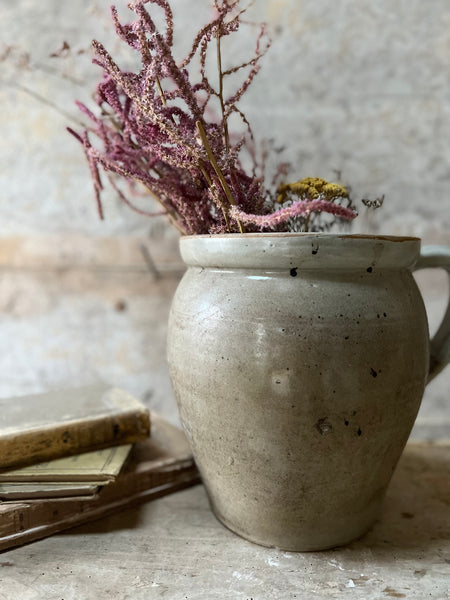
(287, 234)
(306, 251)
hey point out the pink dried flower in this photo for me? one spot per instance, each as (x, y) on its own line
(296, 209)
(157, 128)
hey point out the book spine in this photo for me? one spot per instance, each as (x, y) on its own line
(73, 437)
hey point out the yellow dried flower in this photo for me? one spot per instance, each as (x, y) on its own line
(312, 188)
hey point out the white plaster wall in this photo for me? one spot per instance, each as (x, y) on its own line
(357, 86)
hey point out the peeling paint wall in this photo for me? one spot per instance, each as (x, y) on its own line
(358, 87)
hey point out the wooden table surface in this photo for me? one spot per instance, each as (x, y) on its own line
(174, 548)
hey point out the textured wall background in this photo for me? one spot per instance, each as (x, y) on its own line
(359, 87)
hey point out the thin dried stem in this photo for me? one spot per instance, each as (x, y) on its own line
(220, 93)
(215, 166)
(160, 91)
(205, 173)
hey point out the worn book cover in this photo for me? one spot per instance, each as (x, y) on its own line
(100, 465)
(157, 466)
(78, 475)
(11, 492)
(46, 426)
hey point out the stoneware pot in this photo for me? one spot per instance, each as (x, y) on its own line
(299, 362)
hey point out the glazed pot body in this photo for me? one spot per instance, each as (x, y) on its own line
(298, 362)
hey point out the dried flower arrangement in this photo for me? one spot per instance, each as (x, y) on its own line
(167, 128)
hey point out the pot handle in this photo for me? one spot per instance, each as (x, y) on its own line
(431, 257)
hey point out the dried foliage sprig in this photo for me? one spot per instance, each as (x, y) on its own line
(159, 128)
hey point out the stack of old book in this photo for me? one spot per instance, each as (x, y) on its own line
(73, 456)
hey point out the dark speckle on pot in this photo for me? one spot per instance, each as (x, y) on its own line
(407, 515)
(293, 272)
(120, 306)
(369, 269)
(315, 249)
(373, 372)
(359, 432)
(323, 426)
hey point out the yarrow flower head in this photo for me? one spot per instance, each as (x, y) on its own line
(167, 128)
